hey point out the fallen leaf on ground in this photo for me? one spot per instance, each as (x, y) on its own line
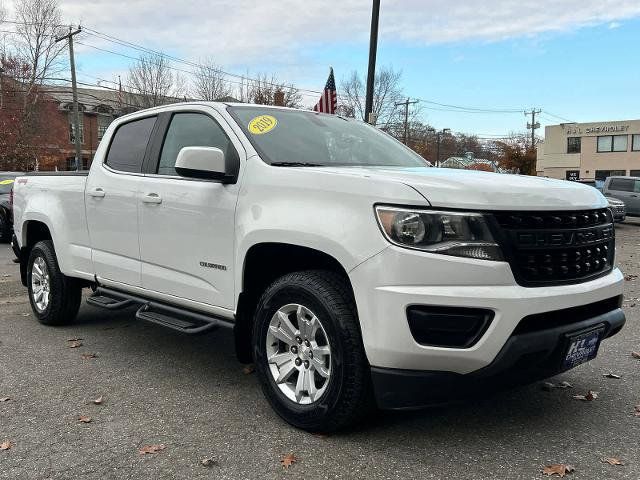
(4, 399)
(25, 314)
(84, 419)
(320, 435)
(209, 462)
(288, 460)
(151, 449)
(635, 355)
(6, 445)
(74, 339)
(87, 356)
(75, 344)
(590, 396)
(548, 386)
(630, 277)
(612, 461)
(611, 375)
(559, 469)
(637, 414)
(98, 401)
(249, 369)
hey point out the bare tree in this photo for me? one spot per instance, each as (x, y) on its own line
(266, 90)
(153, 82)
(386, 93)
(38, 24)
(209, 82)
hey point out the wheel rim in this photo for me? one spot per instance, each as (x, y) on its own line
(40, 284)
(299, 354)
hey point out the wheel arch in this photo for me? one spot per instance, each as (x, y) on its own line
(33, 231)
(263, 264)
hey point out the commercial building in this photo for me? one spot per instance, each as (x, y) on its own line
(590, 151)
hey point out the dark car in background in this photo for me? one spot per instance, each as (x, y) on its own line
(6, 216)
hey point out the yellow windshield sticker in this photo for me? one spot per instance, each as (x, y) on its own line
(262, 124)
(6, 182)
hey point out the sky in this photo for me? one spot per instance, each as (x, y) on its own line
(574, 59)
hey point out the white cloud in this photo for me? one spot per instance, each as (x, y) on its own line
(278, 31)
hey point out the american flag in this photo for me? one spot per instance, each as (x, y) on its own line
(329, 99)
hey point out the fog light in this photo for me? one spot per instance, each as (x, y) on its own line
(454, 327)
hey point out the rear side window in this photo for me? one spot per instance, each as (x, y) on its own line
(621, 184)
(191, 130)
(129, 144)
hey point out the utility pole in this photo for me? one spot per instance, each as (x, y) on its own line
(74, 88)
(533, 126)
(406, 104)
(373, 48)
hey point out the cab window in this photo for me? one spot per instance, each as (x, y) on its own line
(129, 145)
(191, 130)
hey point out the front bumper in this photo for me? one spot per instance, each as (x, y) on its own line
(418, 278)
(524, 358)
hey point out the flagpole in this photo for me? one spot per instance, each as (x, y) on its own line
(373, 47)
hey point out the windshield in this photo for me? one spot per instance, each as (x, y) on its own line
(6, 184)
(292, 137)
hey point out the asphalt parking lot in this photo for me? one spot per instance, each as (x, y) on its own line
(190, 395)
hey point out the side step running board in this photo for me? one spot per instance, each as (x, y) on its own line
(176, 319)
(108, 302)
(181, 320)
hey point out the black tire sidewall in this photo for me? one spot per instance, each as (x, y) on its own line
(60, 289)
(322, 410)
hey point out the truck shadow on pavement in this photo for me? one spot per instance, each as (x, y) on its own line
(205, 367)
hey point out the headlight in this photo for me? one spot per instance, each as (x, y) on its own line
(449, 233)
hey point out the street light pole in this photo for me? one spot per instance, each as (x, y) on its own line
(373, 48)
(438, 137)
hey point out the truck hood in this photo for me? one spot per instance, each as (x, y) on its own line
(470, 189)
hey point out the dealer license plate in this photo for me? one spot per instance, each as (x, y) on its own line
(582, 348)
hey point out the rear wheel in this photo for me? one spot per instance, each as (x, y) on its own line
(308, 351)
(55, 298)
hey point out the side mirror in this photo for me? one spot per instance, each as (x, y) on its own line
(207, 163)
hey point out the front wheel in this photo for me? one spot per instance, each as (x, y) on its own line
(55, 298)
(308, 351)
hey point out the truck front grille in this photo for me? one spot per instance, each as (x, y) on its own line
(554, 248)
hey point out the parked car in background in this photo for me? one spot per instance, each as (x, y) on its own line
(6, 216)
(627, 189)
(616, 205)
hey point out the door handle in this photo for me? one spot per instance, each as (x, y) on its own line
(152, 198)
(97, 192)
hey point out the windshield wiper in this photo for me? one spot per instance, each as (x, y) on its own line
(296, 164)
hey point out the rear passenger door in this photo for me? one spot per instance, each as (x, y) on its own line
(187, 225)
(111, 199)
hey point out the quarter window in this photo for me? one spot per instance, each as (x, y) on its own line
(191, 130)
(573, 144)
(129, 145)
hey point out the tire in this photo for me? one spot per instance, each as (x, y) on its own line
(343, 398)
(63, 293)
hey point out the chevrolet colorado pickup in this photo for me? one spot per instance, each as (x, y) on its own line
(352, 273)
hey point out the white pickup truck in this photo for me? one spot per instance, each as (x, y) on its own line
(352, 272)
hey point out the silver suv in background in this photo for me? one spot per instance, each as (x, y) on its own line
(627, 189)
